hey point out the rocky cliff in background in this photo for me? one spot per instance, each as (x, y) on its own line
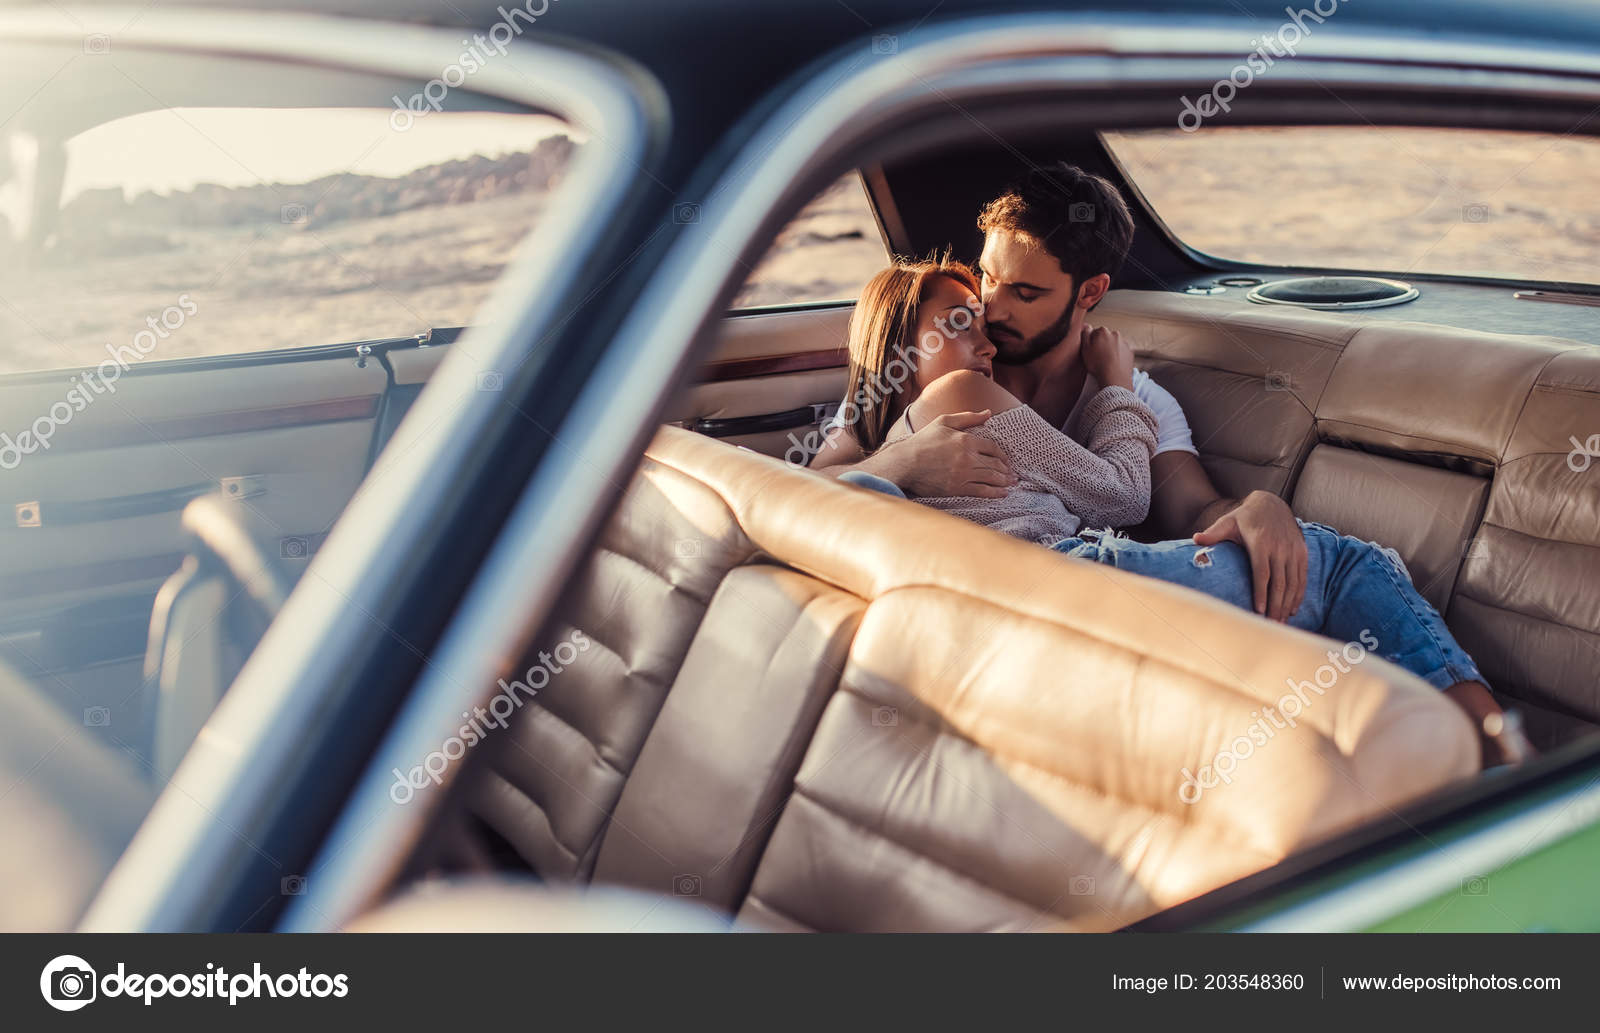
(105, 223)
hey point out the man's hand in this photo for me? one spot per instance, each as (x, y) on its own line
(1107, 357)
(942, 459)
(1265, 525)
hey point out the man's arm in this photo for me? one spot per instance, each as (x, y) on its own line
(937, 461)
(1184, 503)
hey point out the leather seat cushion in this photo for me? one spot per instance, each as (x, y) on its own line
(1425, 514)
(1526, 604)
(720, 760)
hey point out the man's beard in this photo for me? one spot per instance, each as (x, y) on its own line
(1012, 351)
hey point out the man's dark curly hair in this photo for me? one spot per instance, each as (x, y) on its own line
(1079, 218)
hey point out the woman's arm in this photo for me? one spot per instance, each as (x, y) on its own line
(940, 459)
(1106, 483)
(1122, 437)
(839, 452)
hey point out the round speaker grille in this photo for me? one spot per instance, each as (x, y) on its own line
(1334, 292)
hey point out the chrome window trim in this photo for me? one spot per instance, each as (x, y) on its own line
(160, 878)
(841, 105)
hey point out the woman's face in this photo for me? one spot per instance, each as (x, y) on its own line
(950, 333)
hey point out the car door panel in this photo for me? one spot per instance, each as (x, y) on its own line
(91, 523)
(768, 333)
(414, 366)
(774, 377)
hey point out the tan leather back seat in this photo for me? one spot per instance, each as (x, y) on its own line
(1426, 514)
(1527, 603)
(640, 600)
(1249, 378)
(1450, 446)
(820, 708)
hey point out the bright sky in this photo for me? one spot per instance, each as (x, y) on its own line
(175, 149)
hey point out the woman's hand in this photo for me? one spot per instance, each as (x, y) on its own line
(1107, 357)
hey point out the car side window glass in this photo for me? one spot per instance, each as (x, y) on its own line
(186, 232)
(825, 253)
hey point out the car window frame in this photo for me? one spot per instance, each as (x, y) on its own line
(190, 860)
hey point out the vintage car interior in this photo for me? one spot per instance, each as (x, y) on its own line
(810, 707)
(827, 710)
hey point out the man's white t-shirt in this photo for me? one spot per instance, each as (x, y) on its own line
(1172, 427)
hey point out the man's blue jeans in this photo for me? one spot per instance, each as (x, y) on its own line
(1356, 591)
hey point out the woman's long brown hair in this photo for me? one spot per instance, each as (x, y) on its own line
(883, 328)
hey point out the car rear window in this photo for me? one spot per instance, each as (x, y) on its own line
(1468, 202)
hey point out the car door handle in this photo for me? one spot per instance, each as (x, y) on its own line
(790, 419)
(62, 514)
